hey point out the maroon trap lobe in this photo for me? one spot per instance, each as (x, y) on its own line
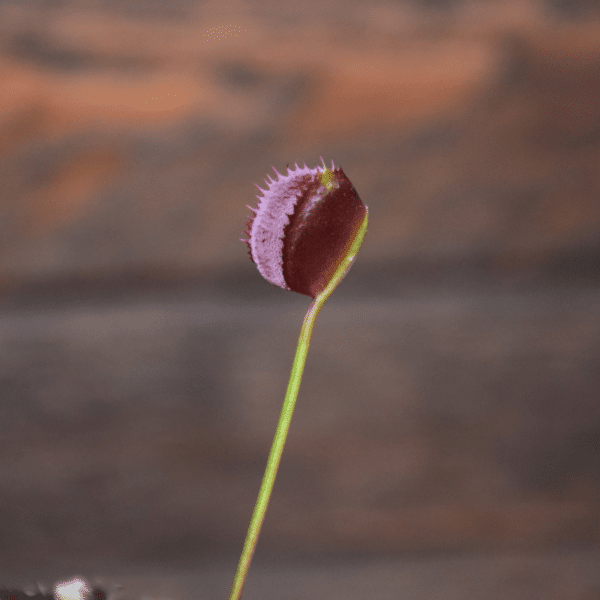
(304, 225)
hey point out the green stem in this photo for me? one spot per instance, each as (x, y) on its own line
(287, 410)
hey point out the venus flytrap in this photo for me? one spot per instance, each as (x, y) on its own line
(304, 236)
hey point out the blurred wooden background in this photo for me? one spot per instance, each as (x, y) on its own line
(451, 396)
